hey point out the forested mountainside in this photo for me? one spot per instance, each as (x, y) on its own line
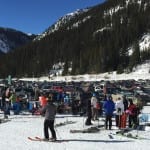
(11, 39)
(93, 40)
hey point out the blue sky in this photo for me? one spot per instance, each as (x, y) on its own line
(34, 16)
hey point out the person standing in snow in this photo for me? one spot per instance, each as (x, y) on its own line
(15, 103)
(94, 102)
(119, 106)
(7, 103)
(36, 92)
(125, 102)
(87, 100)
(49, 110)
(133, 114)
(109, 107)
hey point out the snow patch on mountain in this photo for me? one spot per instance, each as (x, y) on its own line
(102, 29)
(11, 39)
(4, 47)
(113, 10)
(144, 44)
(61, 22)
(77, 24)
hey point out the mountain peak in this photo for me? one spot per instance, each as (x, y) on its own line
(61, 22)
(11, 38)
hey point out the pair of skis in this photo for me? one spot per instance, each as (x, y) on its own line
(35, 139)
(39, 139)
(127, 134)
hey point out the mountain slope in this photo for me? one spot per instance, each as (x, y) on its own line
(63, 21)
(93, 40)
(11, 39)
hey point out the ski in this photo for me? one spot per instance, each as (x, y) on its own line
(125, 133)
(131, 136)
(39, 139)
(33, 139)
(57, 141)
(124, 130)
(88, 130)
(64, 123)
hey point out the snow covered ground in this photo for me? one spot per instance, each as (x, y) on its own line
(14, 133)
(140, 72)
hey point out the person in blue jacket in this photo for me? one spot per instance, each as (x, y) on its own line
(109, 107)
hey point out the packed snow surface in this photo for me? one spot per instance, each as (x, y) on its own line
(14, 135)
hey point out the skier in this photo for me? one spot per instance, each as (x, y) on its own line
(49, 110)
(109, 107)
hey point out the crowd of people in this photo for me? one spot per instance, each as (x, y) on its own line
(124, 110)
(87, 103)
(10, 101)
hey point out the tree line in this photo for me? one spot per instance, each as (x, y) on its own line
(97, 45)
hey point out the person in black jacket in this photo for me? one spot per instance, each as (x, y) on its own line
(49, 110)
(125, 102)
(87, 98)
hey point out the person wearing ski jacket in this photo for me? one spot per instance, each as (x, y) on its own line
(49, 111)
(87, 98)
(15, 103)
(119, 106)
(94, 102)
(109, 107)
(132, 111)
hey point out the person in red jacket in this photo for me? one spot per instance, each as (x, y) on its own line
(42, 100)
(133, 113)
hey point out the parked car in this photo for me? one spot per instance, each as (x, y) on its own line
(57, 88)
(46, 88)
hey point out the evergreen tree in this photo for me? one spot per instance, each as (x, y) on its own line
(135, 58)
(94, 41)
(66, 67)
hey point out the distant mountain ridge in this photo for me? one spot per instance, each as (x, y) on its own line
(11, 39)
(63, 21)
(102, 38)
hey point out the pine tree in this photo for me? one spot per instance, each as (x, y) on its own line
(135, 58)
(66, 66)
